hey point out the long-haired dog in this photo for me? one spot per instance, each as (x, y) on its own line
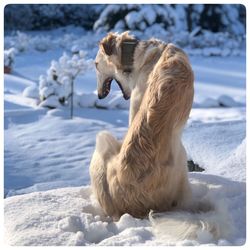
(148, 170)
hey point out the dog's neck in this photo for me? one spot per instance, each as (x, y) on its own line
(146, 55)
(127, 54)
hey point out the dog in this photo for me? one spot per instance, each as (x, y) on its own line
(148, 170)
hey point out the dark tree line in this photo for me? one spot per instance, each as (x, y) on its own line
(214, 17)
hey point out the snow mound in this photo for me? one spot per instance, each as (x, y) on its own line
(221, 101)
(235, 161)
(227, 101)
(16, 84)
(31, 92)
(209, 103)
(71, 216)
(216, 147)
(87, 100)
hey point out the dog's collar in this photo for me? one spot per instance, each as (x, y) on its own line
(127, 54)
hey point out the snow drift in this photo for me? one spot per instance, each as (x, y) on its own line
(71, 216)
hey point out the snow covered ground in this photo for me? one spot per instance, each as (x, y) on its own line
(48, 200)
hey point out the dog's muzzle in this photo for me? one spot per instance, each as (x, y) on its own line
(106, 89)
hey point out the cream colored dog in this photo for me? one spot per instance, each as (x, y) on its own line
(148, 170)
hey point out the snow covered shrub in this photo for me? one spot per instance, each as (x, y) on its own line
(134, 17)
(173, 17)
(22, 41)
(113, 15)
(9, 56)
(56, 88)
(221, 18)
(41, 43)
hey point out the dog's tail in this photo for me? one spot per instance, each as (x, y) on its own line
(202, 223)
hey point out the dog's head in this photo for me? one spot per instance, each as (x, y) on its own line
(111, 63)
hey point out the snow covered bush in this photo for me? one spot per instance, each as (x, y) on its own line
(132, 16)
(56, 88)
(21, 42)
(113, 15)
(174, 17)
(41, 43)
(9, 56)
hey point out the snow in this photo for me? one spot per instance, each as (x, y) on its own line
(215, 147)
(148, 14)
(48, 200)
(63, 217)
(15, 84)
(132, 18)
(227, 101)
(87, 100)
(32, 92)
(138, 19)
(70, 216)
(50, 102)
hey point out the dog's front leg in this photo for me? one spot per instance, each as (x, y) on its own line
(106, 148)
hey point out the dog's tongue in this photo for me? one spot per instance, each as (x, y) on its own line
(106, 87)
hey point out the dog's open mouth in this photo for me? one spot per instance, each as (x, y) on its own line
(106, 89)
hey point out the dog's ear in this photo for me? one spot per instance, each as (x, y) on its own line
(108, 44)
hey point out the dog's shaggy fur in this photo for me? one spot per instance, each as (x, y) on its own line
(148, 170)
